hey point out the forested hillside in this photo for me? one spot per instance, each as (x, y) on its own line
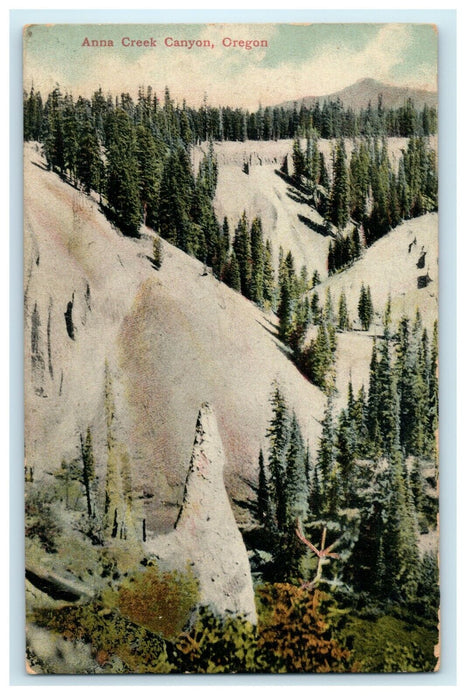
(282, 266)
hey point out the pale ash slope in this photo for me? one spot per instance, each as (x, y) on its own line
(397, 264)
(392, 266)
(287, 217)
(172, 339)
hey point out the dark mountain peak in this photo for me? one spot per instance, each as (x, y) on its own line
(358, 95)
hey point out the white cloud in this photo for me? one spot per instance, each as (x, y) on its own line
(235, 76)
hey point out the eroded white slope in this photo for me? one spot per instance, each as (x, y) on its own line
(397, 264)
(172, 339)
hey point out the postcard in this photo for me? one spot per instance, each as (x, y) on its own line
(231, 348)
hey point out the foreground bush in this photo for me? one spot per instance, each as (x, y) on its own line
(159, 601)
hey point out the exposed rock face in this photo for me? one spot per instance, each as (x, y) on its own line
(206, 535)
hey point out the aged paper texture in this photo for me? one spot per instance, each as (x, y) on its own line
(230, 346)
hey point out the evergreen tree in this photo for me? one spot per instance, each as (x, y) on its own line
(402, 561)
(343, 318)
(269, 278)
(89, 166)
(316, 360)
(365, 308)
(338, 212)
(373, 428)
(149, 161)
(413, 387)
(257, 262)
(328, 313)
(299, 162)
(278, 434)
(326, 454)
(54, 138)
(315, 279)
(388, 409)
(232, 273)
(157, 252)
(221, 255)
(296, 477)
(263, 498)
(70, 137)
(175, 199)
(88, 473)
(32, 116)
(433, 387)
(316, 311)
(122, 185)
(287, 292)
(242, 248)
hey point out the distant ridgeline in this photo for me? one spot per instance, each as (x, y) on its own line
(328, 118)
(136, 155)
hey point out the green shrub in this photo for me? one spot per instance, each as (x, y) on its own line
(116, 644)
(296, 632)
(160, 601)
(389, 645)
(215, 645)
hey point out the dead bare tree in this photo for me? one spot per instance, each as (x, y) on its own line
(323, 555)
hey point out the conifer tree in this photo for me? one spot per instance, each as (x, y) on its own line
(285, 303)
(387, 400)
(70, 137)
(257, 262)
(360, 420)
(54, 138)
(343, 318)
(175, 199)
(88, 473)
(242, 248)
(219, 261)
(316, 359)
(89, 166)
(269, 278)
(296, 477)
(263, 497)
(232, 273)
(315, 279)
(365, 307)
(345, 457)
(328, 312)
(326, 454)
(149, 160)
(32, 116)
(324, 178)
(338, 212)
(278, 434)
(373, 428)
(316, 311)
(157, 252)
(122, 185)
(303, 281)
(299, 162)
(402, 562)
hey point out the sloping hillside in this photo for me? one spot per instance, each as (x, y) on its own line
(286, 216)
(288, 220)
(404, 264)
(172, 340)
(399, 265)
(177, 337)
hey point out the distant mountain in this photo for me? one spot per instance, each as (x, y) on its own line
(367, 90)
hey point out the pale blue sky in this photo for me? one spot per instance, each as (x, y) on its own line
(299, 60)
